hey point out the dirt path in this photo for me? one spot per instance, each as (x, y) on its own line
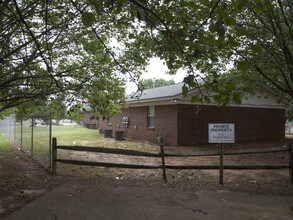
(22, 181)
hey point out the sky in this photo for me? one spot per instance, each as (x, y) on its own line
(157, 69)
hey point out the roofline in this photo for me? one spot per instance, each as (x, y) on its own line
(179, 99)
(165, 101)
(175, 102)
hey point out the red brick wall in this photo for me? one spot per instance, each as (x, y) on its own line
(165, 124)
(138, 125)
(251, 124)
(116, 123)
(88, 118)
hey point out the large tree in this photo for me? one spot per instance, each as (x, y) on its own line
(52, 47)
(235, 46)
(85, 47)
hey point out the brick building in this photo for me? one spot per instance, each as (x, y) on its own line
(88, 119)
(166, 111)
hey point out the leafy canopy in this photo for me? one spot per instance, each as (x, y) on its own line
(84, 49)
(49, 48)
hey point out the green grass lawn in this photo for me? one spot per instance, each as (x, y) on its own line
(72, 136)
(5, 144)
(66, 135)
(76, 135)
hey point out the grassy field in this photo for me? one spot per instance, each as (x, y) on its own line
(78, 135)
(66, 135)
(73, 136)
(5, 144)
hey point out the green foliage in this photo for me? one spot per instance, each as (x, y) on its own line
(58, 108)
(184, 90)
(88, 18)
(54, 47)
(243, 66)
(249, 41)
(154, 83)
(289, 113)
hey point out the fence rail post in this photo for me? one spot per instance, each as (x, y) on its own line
(54, 156)
(291, 162)
(221, 164)
(160, 140)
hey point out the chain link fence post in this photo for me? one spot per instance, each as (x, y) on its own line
(32, 137)
(50, 142)
(21, 132)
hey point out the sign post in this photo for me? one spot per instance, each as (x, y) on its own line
(221, 133)
(221, 165)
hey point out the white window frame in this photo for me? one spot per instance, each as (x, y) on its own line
(109, 121)
(150, 115)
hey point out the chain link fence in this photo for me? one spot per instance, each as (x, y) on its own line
(7, 127)
(32, 134)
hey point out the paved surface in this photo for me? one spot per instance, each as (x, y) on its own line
(92, 200)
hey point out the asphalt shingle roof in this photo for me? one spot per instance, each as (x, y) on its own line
(156, 93)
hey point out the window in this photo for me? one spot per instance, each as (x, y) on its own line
(109, 121)
(151, 117)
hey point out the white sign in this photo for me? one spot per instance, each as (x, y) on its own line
(221, 133)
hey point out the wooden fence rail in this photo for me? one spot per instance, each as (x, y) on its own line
(162, 155)
(109, 151)
(228, 152)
